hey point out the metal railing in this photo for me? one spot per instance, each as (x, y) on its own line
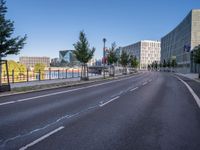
(28, 76)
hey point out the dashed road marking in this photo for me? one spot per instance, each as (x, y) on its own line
(103, 104)
(41, 138)
(134, 89)
(144, 83)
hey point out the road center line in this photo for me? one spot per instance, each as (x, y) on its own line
(41, 138)
(61, 92)
(103, 104)
(134, 89)
(191, 91)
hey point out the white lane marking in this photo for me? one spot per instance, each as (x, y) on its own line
(6, 103)
(191, 91)
(150, 80)
(103, 104)
(134, 89)
(144, 83)
(41, 138)
(61, 92)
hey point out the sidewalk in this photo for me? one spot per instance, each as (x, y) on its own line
(193, 76)
(46, 82)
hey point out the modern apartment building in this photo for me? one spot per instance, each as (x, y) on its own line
(181, 41)
(31, 61)
(146, 51)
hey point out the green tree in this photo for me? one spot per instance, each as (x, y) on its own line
(39, 68)
(12, 66)
(133, 61)
(164, 64)
(160, 65)
(173, 63)
(22, 68)
(196, 56)
(169, 63)
(156, 65)
(124, 60)
(112, 58)
(83, 53)
(8, 44)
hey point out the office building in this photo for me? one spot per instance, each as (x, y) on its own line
(31, 61)
(179, 43)
(146, 51)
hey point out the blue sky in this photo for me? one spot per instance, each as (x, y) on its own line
(53, 25)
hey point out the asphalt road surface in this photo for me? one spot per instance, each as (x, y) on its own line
(148, 111)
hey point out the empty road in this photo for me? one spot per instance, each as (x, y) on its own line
(148, 111)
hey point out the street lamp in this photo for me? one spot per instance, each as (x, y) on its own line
(104, 55)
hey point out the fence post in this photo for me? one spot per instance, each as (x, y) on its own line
(72, 73)
(58, 74)
(49, 73)
(27, 76)
(4, 76)
(39, 75)
(66, 73)
(13, 76)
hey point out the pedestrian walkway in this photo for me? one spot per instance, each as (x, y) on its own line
(46, 82)
(193, 76)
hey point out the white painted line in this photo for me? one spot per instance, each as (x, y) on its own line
(62, 92)
(6, 103)
(103, 104)
(144, 83)
(41, 138)
(150, 80)
(134, 89)
(191, 91)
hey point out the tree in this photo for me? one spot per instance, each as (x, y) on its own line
(196, 56)
(160, 65)
(124, 60)
(169, 64)
(133, 61)
(83, 53)
(39, 68)
(22, 68)
(173, 63)
(164, 65)
(8, 44)
(156, 65)
(149, 67)
(112, 58)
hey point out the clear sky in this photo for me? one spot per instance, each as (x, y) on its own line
(53, 25)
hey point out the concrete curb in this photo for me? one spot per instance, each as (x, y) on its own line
(180, 74)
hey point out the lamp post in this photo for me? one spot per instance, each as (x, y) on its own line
(104, 55)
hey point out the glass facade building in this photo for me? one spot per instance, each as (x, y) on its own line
(181, 41)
